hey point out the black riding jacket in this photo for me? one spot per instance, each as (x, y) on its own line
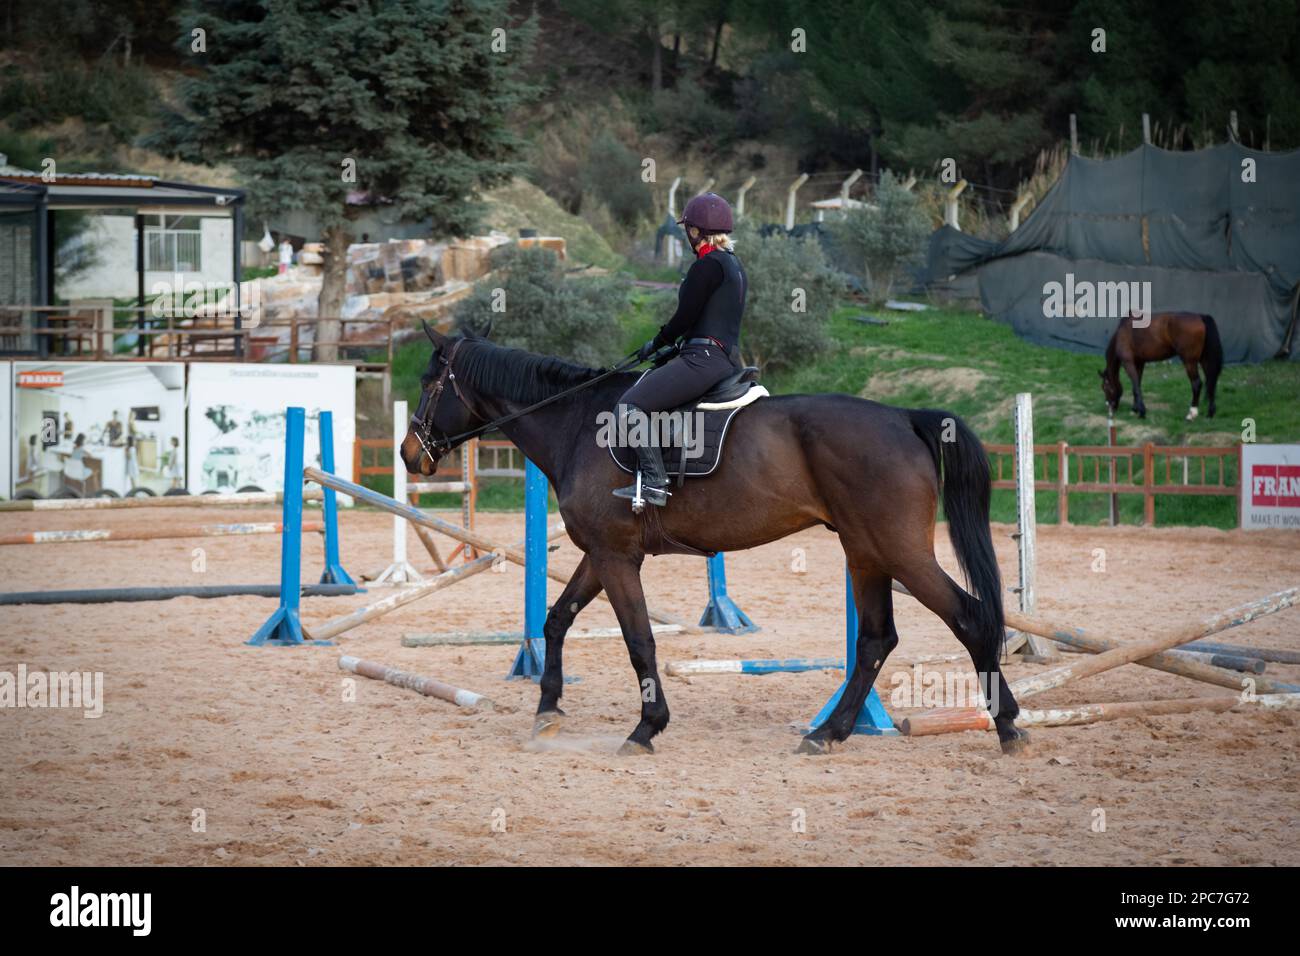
(710, 301)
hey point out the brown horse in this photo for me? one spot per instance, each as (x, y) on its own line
(1189, 335)
(871, 473)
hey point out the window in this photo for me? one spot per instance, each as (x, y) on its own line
(172, 244)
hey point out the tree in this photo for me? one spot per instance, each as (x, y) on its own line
(320, 106)
(529, 304)
(886, 238)
(792, 292)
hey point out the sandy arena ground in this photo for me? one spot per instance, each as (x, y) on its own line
(286, 772)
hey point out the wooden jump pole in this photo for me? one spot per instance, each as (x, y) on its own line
(1132, 651)
(151, 534)
(1271, 654)
(953, 719)
(976, 718)
(513, 554)
(473, 638)
(161, 501)
(346, 622)
(428, 686)
(1172, 662)
(117, 595)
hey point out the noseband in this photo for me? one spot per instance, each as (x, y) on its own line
(422, 421)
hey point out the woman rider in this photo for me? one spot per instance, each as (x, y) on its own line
(710, 304)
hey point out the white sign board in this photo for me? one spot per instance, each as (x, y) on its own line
(1270, 486)
(236, 421)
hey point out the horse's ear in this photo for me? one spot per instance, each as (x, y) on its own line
(438, 339)
(487, 330)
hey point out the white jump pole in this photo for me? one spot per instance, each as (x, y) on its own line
(400, 571)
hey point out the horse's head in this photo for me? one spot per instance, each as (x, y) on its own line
(1111, 388)
(443, 410)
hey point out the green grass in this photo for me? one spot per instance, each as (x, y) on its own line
(973, 366)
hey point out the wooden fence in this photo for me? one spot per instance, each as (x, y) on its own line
(1147, 470)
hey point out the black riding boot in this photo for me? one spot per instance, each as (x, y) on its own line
(654, 481)
(650, 465)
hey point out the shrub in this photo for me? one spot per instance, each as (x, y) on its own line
(531, 305)
(887, 238)
(792, 292)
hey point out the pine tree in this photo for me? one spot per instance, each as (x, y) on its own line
(314, 102)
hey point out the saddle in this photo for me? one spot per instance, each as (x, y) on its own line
(698, 428)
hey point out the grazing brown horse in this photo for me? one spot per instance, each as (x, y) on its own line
(871, 473)
(1189, 335)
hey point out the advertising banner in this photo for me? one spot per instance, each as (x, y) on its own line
(1270, 486)
(237, 425)
(90, 428)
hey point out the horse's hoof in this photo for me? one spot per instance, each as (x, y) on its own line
(814, 746)
(631, 748)
(1017, 746)
(548, 724)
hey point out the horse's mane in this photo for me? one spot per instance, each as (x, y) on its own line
(514, 374)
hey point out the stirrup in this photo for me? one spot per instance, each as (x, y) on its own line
(642, 493)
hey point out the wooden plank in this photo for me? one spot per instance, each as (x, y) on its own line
(956, 719)
(428, 686)
(1132, 651)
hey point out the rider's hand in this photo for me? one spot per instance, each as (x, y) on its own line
(646, 351)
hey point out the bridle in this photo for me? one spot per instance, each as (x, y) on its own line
(421, 424)
(422, 419)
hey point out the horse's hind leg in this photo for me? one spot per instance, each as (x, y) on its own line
(1194, 376)
(941, 594)
(876, 638)
(1211, 384)
(577, 594)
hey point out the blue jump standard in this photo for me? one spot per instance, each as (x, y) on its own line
(873, 719)
(722, 612)
(284, 628)
(530, 659)
(334, 573)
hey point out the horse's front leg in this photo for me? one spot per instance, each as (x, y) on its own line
(577, 594)
(621, 576)
(1134, 370)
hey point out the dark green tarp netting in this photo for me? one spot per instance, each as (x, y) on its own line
(1206, 240)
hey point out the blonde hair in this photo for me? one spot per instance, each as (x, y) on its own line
(720, 240)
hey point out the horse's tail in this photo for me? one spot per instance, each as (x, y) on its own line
(963, 466)
(1212, 354)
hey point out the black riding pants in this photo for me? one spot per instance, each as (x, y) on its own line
(691, 373)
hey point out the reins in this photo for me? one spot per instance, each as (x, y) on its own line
(422, 420)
